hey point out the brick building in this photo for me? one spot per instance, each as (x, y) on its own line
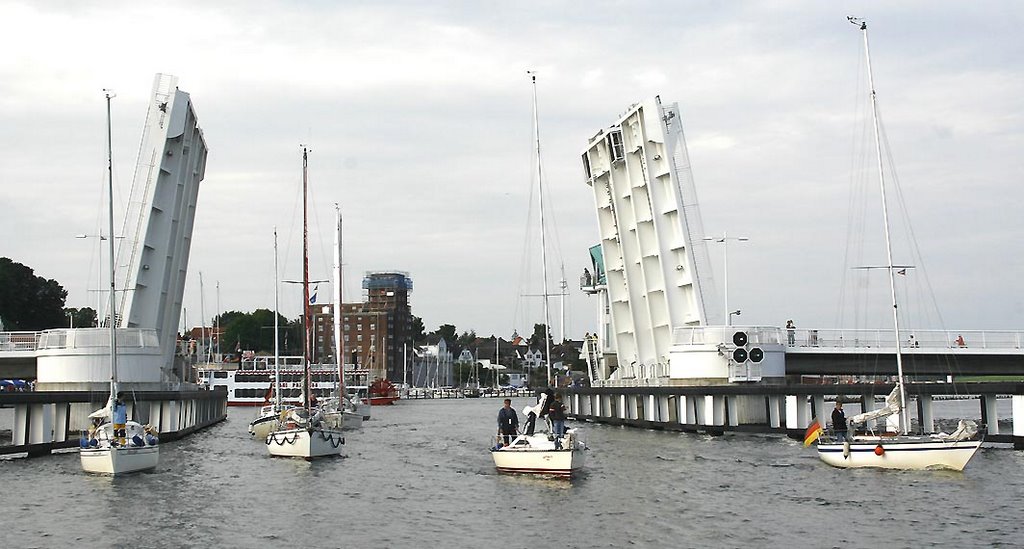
(374, 331)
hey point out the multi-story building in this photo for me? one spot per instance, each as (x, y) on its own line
(375, 331)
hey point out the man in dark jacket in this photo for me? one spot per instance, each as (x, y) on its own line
(839, 421)
(556, 412)
(508, 422)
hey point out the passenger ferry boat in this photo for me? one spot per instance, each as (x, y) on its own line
(252, 383)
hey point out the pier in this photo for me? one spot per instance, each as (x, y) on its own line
(784, 408)
(44, 421)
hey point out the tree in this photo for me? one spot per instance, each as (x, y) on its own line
(537, 339)
(29, 302)
(416, 333)
(447, 332)
(466, 339)
(255, 331)
(81, 318)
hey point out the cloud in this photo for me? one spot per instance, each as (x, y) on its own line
(419, 118)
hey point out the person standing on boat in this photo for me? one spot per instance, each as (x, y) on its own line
(790, 332)
(119, 417)
(556, 412)
(839, 422)
(508, 422)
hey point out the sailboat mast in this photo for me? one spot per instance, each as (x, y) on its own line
(905, 427)
(202, 320)
(339, 345)
(111, 322)
(543, 241)
(216, 329)
(307, 340)
(277, 335)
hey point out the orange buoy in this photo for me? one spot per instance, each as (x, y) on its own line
(879, 450)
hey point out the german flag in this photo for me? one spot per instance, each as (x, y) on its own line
(812, 433)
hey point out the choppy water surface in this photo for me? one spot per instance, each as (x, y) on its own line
(418, 475)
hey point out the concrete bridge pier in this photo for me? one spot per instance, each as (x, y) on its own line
(924, 413)
(33, 427)
(989, 415)
(776, 409)
(1017, 409)
(798, 414)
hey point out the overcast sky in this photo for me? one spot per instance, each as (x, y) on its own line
(419, 118)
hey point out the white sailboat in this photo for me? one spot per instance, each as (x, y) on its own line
(114, 445)
(270, 416)
(340, 411)
(902, 450)
(540, 452)
(304, 433)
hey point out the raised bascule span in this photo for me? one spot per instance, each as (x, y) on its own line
(153, 257)
(653, 284)
(652, 277)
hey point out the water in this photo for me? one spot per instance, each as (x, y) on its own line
(418, 475)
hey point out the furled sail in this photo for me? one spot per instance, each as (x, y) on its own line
(104, 412)
(892, 406)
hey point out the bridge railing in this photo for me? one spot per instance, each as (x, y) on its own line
(909, 339)
(993, 340)
(83, 338)
(18, 341)
(708, 335)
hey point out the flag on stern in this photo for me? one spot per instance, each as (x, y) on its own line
(812, 433)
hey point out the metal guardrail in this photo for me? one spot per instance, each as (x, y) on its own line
(856, 339)
(19, 341)
(76, 338)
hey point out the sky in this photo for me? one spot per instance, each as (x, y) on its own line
(419, 117)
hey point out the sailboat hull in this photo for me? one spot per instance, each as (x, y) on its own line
(119, 460)
(908, 453)
(535, 454)
(305, 443)
(261, 427)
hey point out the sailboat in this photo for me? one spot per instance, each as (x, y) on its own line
(113, 445)
(304, 433)
(902, 450)
(340, 411)
(540, 452)
(270, 416)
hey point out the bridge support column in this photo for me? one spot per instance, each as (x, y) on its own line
(733, 413)
(61, 417)
(687, 410)
(867, 404)
(33, 424)
(775, 407)
(797, 414)
(819, 411)
(623, 414)
(714, 410)
(1018, 422)
(663, 405)
(170, 416)
(924, 413)
(989, 415)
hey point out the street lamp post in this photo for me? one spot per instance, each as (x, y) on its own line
(731, 313)
(724, 240)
